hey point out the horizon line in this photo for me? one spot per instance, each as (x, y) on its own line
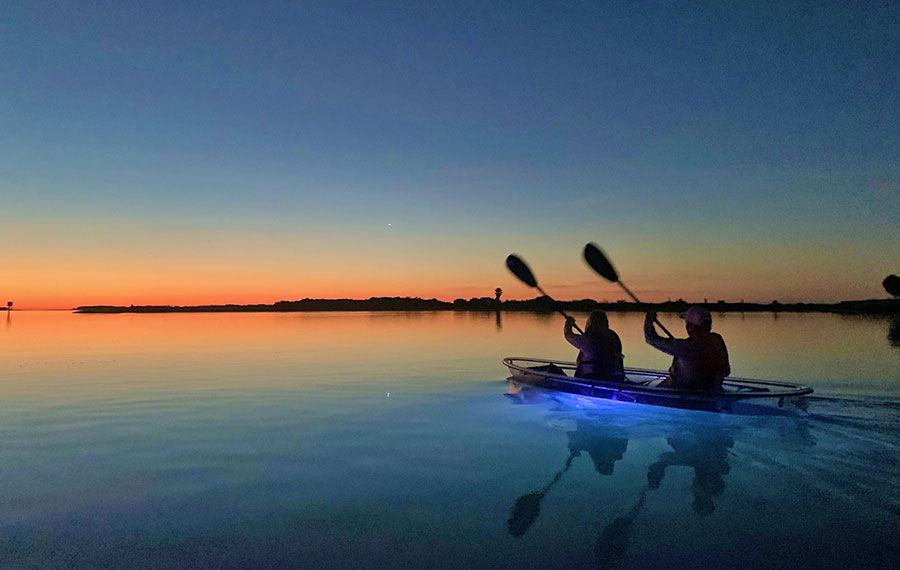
(705, 301)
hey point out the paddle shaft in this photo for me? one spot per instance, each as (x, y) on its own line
(560, 474)
(558, 310)
(636, 300)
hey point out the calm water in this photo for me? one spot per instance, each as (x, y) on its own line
(359, 440)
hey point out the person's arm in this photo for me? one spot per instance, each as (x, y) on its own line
(575, 340)
(724, 365)
(673, 346)
(657, 471)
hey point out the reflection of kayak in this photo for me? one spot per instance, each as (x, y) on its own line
(642, 386)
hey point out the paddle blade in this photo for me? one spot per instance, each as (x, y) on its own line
(520, 270)
(598, 262)
(524, 513)
(891, 284)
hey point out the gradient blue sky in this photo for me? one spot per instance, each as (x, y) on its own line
(215, 152)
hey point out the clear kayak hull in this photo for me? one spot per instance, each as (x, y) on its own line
(642, 386)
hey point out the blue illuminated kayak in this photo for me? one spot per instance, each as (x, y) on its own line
(642, 386)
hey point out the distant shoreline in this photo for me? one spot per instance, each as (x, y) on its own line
(537, 305)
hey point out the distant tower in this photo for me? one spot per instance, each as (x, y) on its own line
(9, 305)
(497, 292)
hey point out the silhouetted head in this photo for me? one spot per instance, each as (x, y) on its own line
(697, 320)
(597, 324)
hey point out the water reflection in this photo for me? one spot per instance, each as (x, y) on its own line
(706, 452)
(603, 448)
(612, 544)
(528, 506)
(778, 450)
(545, 317)
(894, 332)
(122, 426)
(498, 320)
(523, 394)
(704, 447)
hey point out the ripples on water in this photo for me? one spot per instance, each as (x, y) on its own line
(817, 490)
(390, 440)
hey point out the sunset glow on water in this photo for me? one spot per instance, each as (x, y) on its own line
(351, 439)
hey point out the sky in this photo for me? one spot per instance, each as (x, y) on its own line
(218, 152)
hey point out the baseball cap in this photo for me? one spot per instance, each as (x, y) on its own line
(697, 316)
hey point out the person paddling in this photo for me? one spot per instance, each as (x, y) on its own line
(599, 349)
(700, 361)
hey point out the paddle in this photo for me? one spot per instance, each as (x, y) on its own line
(612, 544)
(599, 263)
(891, 284)
(528, 506)
(518, 268)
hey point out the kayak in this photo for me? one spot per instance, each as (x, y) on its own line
(641, 386)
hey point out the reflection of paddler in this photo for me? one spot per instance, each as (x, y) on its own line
(707, 455)
(709, 458)
(604, 452)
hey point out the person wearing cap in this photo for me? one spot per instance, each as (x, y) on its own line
(700, 361)
(599, 349)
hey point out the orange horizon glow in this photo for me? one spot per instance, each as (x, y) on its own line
(221, 286)
(199, 273)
